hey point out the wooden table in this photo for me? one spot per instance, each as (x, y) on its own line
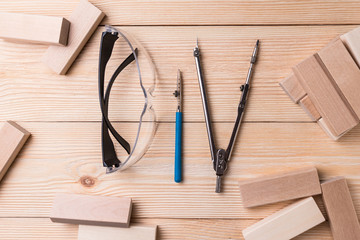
(62, 113)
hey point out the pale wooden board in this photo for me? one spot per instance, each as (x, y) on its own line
(139, 232)
(31, 92)
(72, 163)
(207, 12)
(289, 185)
(287, 223)
(91, 210)
(168, 229)
(48, 30)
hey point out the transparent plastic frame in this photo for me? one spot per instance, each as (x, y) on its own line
(144, 70)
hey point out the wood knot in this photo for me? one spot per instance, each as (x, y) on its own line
(87, 181)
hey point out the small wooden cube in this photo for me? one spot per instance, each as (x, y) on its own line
(325, 96)
(309, 108)
(286, 223)
(293, 88)
(34, 28)
(135, 232)
(91, 210)
(84, 21)
(12, 139)
(344, 73)
(352, 42)
(343, 219)
(280, 187)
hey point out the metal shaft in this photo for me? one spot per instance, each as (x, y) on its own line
(205, 103)
(241, 108)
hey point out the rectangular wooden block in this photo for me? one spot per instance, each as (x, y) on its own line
(340, 209)
(344, 71)
(321, 89)
(328, 131)
(91, 210)
(34, 28)
(134, 232)
(84, 21)
(280, 187)
(352, 42)
(286, 223)
(309, 108)
(12, 139)
(293, 88)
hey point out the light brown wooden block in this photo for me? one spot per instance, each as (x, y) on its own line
(135, 232)
(91, 210)
(324, 95)
(344, 71)
(84, 21)
(309, 108)
(280, 187)
(12, 139)
(328, 131)
(352, 42)
(293, 88)
(34, 28)
(340, 209)
(286, 223)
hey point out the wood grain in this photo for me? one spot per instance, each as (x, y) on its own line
(31, 28)
(84, 21)
(324, 94)
(169, 229)
(207, 12)
(72, 163)
(287, 223)
(31, 92)
(293, 88)
(12, 139)
(351, 41)
(138, 232)
(343, 219)
(63, 113)
(91, 210)
(309, 108)
(344, 71)
(280, 187)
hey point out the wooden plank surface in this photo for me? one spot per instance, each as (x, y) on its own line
(205, 12)
(29, 84)
(168, 229)
(62, 113)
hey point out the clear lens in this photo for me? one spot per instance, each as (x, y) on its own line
(130, 106)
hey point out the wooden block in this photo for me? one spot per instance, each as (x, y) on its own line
(84, 21)
(352, 42)
(110, 233)
(280, 187)
(91, 210)
(328, 131)
(323, 93)
(34, 28)
(309, 108)
(340, 209)
(286, 223)
(293, 88)
(12, 139)
(344, 71)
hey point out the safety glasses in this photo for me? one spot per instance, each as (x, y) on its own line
(131, 107)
